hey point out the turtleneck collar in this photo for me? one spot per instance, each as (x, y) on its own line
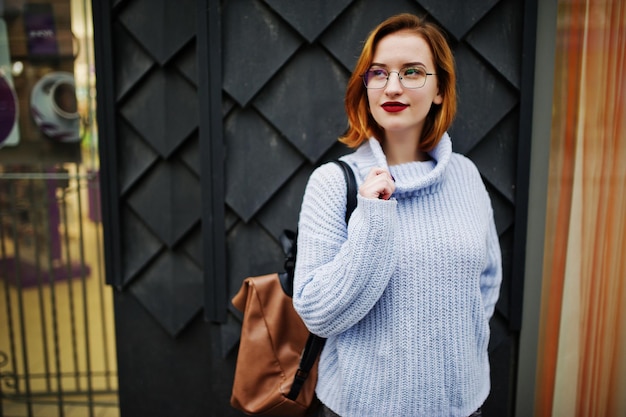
(412, 178)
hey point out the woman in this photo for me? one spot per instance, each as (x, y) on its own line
(403, 292)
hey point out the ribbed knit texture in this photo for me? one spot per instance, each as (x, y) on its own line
(405, 292)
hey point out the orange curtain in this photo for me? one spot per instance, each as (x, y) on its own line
(582, 336)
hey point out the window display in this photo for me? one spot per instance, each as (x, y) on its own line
(41, 121)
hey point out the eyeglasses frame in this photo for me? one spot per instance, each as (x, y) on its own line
(399, 78)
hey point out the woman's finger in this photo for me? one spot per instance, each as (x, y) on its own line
(378, 184)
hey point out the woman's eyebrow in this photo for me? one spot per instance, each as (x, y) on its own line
(405, 65)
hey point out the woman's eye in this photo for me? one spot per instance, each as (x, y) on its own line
(414, 72)
(378, 73)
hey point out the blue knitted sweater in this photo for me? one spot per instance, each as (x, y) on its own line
(405, 292)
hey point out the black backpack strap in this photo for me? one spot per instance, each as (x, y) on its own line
(314, 343)
(311, 351)
(350, 186)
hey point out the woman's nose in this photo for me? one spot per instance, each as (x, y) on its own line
(393, 82)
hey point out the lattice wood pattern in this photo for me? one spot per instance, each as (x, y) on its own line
(285, 67)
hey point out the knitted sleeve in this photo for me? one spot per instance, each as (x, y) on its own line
(491, 276)
(341, 272)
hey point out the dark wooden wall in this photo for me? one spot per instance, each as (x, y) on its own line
(211, 117)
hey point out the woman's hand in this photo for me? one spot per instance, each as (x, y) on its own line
(378, 184)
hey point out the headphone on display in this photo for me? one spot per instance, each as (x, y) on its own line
(54, 107)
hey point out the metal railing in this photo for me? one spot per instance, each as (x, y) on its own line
(57, 347)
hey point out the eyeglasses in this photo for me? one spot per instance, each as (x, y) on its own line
(411, 77)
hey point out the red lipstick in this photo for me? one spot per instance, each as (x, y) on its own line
(394, 106)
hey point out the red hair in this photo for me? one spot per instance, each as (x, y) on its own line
(361, 123)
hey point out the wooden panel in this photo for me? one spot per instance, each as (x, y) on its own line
(285, 66)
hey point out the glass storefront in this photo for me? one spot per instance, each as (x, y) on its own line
(57, 348)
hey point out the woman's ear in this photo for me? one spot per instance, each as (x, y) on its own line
(438, 98)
